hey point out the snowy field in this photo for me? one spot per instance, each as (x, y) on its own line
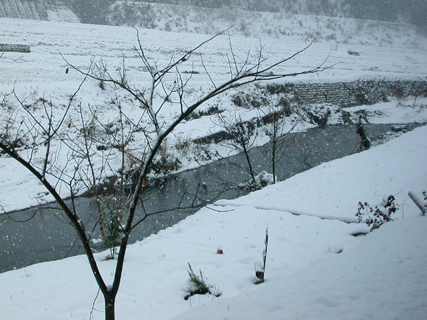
(41, 76)
(315, 268)
(403, 57)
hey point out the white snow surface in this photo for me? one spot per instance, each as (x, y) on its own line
(62, 15)
(315, 268)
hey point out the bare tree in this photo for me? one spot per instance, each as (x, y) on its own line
(274, 120)
(241, 137)
(51, 134)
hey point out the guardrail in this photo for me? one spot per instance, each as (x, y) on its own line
(5, 47)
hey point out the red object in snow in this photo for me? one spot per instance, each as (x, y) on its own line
(219, 251)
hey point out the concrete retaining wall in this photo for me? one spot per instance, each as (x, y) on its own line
(347, 94)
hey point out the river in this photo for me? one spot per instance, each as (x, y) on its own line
(47, 236)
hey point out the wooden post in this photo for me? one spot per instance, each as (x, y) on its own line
(418, 202)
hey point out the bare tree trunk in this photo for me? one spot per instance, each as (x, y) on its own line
(274, 137)
(273, 158)
(248, 160)
(276, 132)
(109, 307)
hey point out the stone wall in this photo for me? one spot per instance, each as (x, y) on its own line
(23, 9)
(348, 94)
(29, 9)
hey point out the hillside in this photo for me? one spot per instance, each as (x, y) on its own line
(267, 18)
(190, 19)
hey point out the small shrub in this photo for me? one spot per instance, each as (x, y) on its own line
(165, 162)
(361, 98)
(286, 106)
(165, 165)
(318, 115)
(198, 284)
(112, 233)
(365, 142)
(425, 201)
(201, 113)
(261, 180)
(379, 215)
(237, 100)
(399, 91)
(249, 101)
(183, 146)
(275, 88)
(101, 85)
(211, 111)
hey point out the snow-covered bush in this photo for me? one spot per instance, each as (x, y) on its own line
(261, 180)
(250, 100)
(318, 114)
(165, 162)
(379, 215)
(365, 142)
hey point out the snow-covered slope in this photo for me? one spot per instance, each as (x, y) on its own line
(190, 19)
(380, 278)
(315, 268)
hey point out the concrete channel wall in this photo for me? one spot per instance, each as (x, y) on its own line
(23, 9)
(349, 94)
(29, 9)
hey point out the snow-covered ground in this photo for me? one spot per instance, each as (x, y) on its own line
(403, 57)
(41, 76)
(315, 268)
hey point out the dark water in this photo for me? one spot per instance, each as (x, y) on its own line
(47, 236)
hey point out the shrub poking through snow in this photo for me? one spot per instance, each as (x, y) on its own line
(365, 142)
(379, 215)
(198, 284)
(260, 181)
